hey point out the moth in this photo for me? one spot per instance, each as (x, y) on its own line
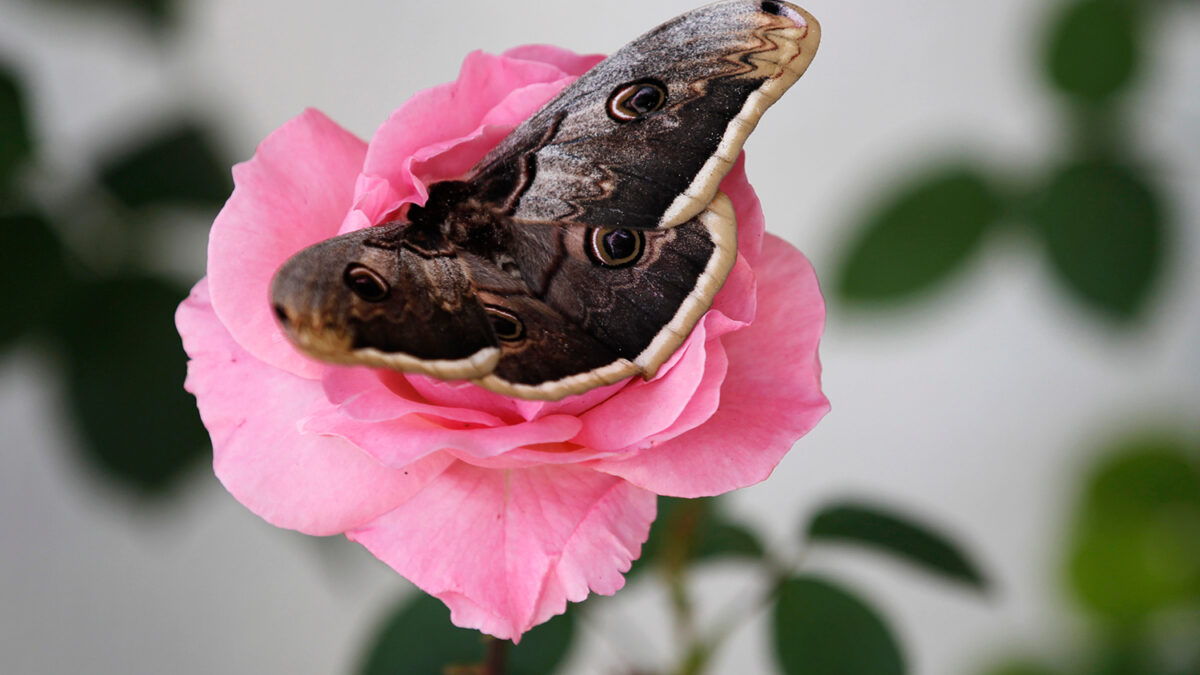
(584, 248)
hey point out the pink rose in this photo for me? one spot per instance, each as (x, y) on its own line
(504, 509)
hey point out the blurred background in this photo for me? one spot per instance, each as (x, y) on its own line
(1002, 201)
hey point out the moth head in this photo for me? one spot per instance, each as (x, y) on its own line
(325, 292)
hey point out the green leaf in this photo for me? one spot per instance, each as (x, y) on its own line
(125, 369)
(155, 12)
(1094, 49)
(918, 235)
(417, 637)
(33, 275)
(1135, 543)
(693, 530)
(902, 537)
(16, 143)
(822, 629)
(1022, 668)
(1104, 229)
(178, 165)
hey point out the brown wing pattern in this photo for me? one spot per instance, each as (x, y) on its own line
(721, 66)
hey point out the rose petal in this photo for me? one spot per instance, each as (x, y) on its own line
(645, 408)
(374, 396)
(567, 61)
(315, 484)
(513, 546)
(401, 441)
(752, 225)
(294, 192)
(446, 112)
(771, 396)
(704, 402)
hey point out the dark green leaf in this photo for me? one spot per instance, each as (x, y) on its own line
(1094, 48)
(33, 274)
(821, 629)
(1135, 544)
(1104, 229)
(918, 235)
(16, 143)
(1022, 668)
(155, 12)
(179, 165)
(690, 530)
(900, 536)
(418, 638)
(125, 369)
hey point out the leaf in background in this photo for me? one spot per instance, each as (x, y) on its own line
(1022, 668)
(124, 373)
(33, 274)
(689, 530)
(16, 143)
(419, 638)
(1104, 230)
(1094, 50)
(155, 12)
(178, 165)
(821, 629)
(918, 235)
(1135, 544)
(902, 537)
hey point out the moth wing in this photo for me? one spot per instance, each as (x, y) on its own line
(394, 296)
(587, 323)
(720, 67)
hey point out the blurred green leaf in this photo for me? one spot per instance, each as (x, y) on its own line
(178, 165)
(33, 275)
(903, 537)
(1104, 229)
(1135, 545)
(125, 369)
(822, 629)
(418, 638)
(918, 235)
(1094, 48)
(16, 143)
(691, 530)
(155, 12)
(1022, 668)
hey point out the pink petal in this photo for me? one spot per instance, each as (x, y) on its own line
(450, 111)
(378, 395)
(402, 441)
(734, 307)
(316, 484)
(770, 398)
(751, 223)
(567, 61)
(645, 408)
(294, 192)
(513, 546)
(704, 402)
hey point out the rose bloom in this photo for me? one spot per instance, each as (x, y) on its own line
(504, 509)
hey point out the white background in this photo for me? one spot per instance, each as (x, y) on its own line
(975, 408)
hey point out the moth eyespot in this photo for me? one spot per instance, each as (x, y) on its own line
(365, 282)
(506, 325)
(630, 101)
(614, 247)
(772, 7)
